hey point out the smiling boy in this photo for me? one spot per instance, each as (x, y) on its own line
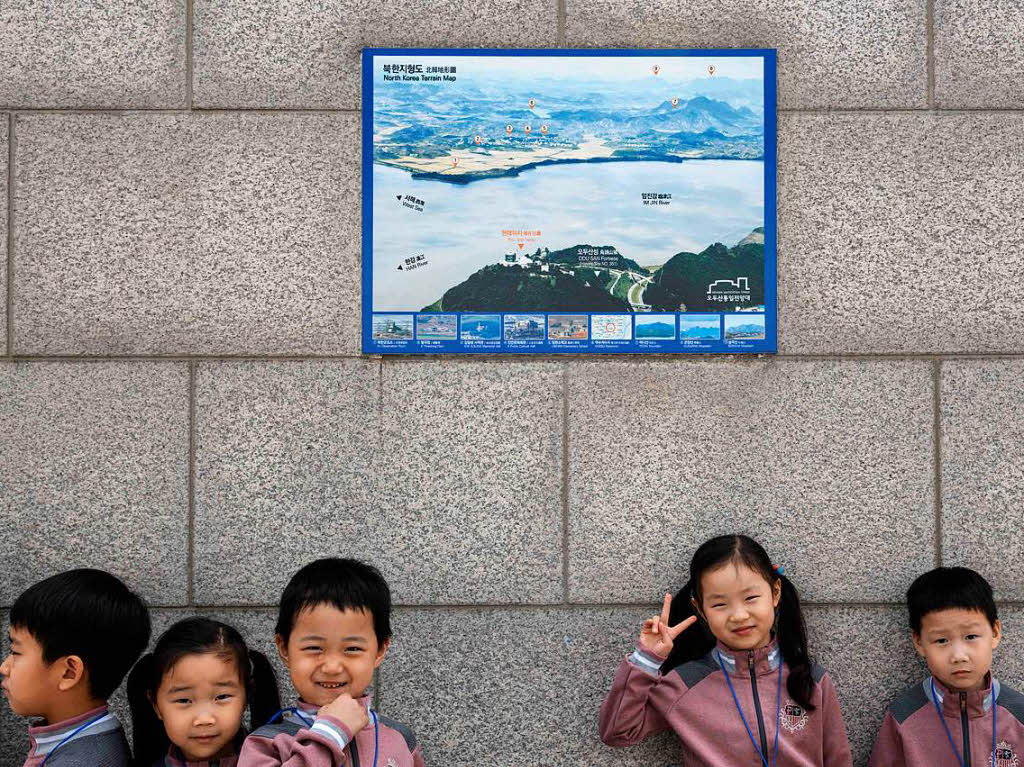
(333, 630)
(960, 715)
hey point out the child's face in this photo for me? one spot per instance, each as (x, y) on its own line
(739, 605)
(29, 683)
(330, 652)
(957, 645)
(201, 700)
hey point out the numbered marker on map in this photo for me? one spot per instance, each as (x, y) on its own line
(655, 69)
(478, 138)
(544, 129)
(527, 129)
(711, 69)
(509, 129)
(675, 101)
(533, 103)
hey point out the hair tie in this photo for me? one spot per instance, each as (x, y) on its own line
(780, 569)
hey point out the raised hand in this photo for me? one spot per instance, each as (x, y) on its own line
(657, 636)
(349, 711)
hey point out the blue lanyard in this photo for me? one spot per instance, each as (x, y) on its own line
(309, 723)
(297, 711)
(376, 737)
(90, 723)
(949, 735)
(778, 711)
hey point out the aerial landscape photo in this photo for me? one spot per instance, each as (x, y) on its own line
(568, 184)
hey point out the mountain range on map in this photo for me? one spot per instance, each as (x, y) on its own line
(413, 122)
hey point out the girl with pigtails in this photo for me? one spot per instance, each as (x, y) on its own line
(726, 666)
(189, 696)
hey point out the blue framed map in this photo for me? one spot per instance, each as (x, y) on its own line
(568, 201)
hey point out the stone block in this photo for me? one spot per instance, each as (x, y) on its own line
(284, 453)
(899, 233)
(978, 59)
(187, 234)
(819, 461)
(127, 54)
(95, 474)
(455, 463)
(982, 477)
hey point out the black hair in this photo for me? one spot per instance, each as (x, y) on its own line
(88, 613)
(195, 636)
(346, 584)
(790, 631)
(946, 588)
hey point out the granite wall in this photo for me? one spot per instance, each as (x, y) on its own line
(183, 402)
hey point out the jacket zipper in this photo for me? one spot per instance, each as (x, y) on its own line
(964, 724)
(757, 707)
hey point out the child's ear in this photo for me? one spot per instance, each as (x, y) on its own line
(997, 633)
(917, 643)
(72, 672)
(696, 609)
(776, 592)
(282, 647)
(382, 650)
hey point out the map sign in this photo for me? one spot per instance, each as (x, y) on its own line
(568, 201)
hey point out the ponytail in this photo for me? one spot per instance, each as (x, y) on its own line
(791, 634)
(790, 631)
(148, 734)
(696, 641)
(264, 698)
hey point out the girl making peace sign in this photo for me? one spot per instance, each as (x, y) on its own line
(726, 666)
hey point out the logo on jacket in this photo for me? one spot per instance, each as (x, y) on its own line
(793, 717)
(392, 762)
(1005, 757)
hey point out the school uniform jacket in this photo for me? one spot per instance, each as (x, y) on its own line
(311, 739)
(101, 744)
(694, 700)
(912, 734)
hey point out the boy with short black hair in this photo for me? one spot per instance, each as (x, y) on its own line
(960, 715)
(333, 631)
(73, 637)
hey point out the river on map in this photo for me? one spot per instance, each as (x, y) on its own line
(460, 228)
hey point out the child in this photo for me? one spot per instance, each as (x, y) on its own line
(960, 715)
(333, 630)
(718, 696)
(73, 638)
(188, 696)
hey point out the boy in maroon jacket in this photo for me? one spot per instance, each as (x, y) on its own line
(960, 715)
(333, 630)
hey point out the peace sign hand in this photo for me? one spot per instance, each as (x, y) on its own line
(657, 637)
